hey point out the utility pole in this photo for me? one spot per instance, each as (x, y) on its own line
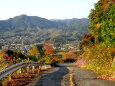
(22, 44)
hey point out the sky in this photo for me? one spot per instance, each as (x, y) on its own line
(50, 9)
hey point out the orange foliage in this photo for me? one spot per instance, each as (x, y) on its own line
(98, 25)
(112, 50)
(105, 6)
(87, 36)
(113, 1)
(9, 58)
(1, 53)
(1, 56)
(55, 58)
(49, 49)
(106, 0)
(70, 55)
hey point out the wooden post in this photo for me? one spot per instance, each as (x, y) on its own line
(33, 67)
(39, 68)
(28, 68)
(20, 70)
(45, 66)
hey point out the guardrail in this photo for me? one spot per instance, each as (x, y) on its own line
(15, 67)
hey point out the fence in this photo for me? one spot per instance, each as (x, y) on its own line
(13, 68)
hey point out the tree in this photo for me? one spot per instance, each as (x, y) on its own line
(102, 21)
(88, 39)
(49, 50)
(12, 54)
(70, 55)
(34, 51)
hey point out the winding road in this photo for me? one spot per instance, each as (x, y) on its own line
(70, 75)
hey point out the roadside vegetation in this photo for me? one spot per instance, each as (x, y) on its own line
(99, 46)
(37, 53)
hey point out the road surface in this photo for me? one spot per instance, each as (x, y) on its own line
(62, 76)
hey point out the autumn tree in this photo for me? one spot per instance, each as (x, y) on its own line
(47, 54)
(88, 39)
(36, 53)
(33, 51)
(49, 50)
(103, 21)
(70, 55)
(102, 27)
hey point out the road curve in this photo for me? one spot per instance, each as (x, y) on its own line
(84, 77)
(61, 77)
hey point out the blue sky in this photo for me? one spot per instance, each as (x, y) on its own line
(50, 9)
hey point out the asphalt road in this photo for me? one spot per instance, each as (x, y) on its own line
(54, 77)
(61, 77)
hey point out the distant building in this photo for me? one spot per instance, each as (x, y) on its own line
(23, 48)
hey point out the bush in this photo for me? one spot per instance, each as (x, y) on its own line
(54, 64)
(99, 59)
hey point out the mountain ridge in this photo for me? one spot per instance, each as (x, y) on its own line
(41, 29)
(23, 22)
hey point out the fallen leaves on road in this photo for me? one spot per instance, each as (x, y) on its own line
(107, 78)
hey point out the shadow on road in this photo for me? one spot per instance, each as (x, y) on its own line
(53, 77)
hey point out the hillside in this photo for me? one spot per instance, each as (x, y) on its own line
(99, 45)
(26, 23)
(36, 29)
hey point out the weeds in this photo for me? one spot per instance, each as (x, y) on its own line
(99, 59)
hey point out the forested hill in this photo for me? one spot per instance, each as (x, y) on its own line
(72, 24)
(24, 23)
(37, 29)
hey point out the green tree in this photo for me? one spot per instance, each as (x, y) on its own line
(102, 21)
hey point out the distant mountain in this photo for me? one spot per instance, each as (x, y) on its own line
(36, 29)
(24, 22)
(73, 24)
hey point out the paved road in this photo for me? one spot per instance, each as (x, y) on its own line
(61, 77)
(54, 77)
(88, 78)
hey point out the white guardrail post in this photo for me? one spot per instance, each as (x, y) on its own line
(13, 68)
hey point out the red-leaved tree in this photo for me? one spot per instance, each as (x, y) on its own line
(49, 50)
